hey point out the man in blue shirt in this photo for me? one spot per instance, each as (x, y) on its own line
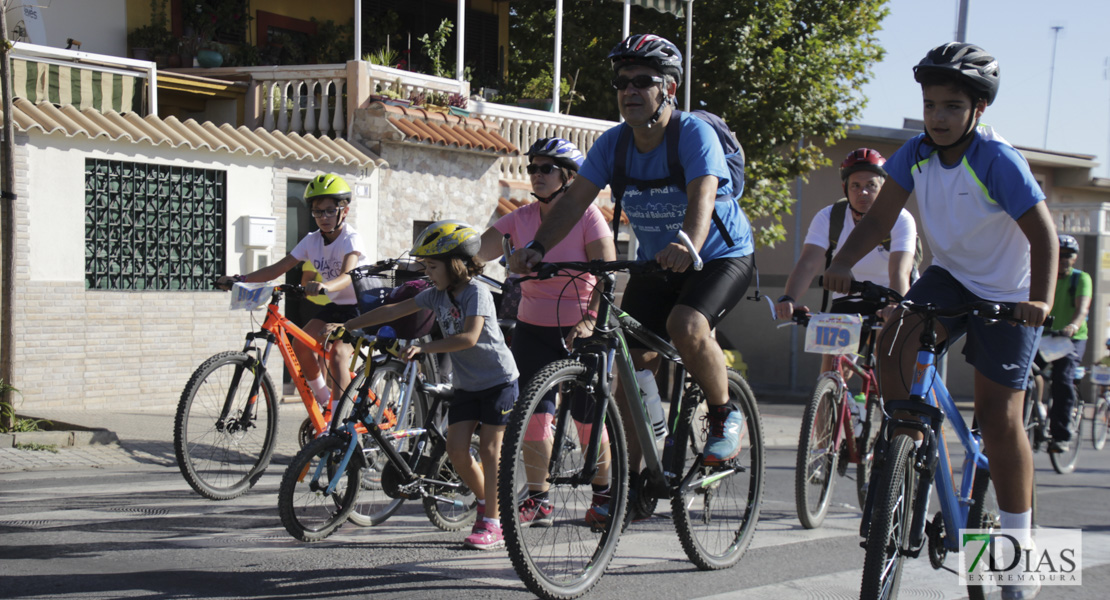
(678, 303)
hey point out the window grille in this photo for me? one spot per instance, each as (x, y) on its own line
(153, 227)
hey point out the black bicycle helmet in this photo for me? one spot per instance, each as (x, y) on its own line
(649, 50)
(564, 153)
(968, 62)
(1069, 244)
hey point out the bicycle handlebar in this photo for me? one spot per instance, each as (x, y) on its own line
(593, 267)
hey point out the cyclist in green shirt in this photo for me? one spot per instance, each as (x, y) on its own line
(1073, 300)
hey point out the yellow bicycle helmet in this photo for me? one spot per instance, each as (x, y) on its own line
(447, 237)
(327, 185)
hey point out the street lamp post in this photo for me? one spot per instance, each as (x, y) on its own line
(1051, 72)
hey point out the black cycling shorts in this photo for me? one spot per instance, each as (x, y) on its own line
(713, 292)
(336, 313)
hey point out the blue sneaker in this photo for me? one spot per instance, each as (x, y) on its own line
(725, 427)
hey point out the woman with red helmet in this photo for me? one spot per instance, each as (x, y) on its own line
(889, 264)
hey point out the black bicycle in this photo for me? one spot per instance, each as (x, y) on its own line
(715, 507)
(1037, 423)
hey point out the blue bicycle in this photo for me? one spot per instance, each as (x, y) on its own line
(895, 521)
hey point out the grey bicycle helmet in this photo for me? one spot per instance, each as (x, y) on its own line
(564, 153)
(967, 62)
(649, 50)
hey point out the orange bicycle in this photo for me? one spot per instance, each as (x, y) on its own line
(225, 430)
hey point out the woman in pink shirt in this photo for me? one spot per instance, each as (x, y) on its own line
(555, 311)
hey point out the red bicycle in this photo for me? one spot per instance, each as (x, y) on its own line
(832, 435)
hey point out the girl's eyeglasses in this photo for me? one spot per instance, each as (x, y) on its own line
(545, 169)
(331, 212)
(641, 82)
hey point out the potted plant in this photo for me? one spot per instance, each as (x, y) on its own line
(153, 38)
(457, 104)
(537, 92)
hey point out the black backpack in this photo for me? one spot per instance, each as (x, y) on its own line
(734, 158)
(836, 226)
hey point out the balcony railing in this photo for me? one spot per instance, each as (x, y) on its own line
(523, 126)
(1081, 219)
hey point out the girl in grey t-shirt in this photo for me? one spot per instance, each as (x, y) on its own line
(485, 374)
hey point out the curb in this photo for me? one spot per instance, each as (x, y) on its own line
(61, 434)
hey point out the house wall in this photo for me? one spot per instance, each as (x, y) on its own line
(100, 26)
(130, 349)
(426, 183)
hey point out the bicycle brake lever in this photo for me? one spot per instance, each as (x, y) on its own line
(685, 239)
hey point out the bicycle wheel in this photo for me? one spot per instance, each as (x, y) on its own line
(984, 514)
(1064, 462)
(870, 435)
(223, 458)
(1100, 424)
(373, 506)
(567, 558)
(716, 518)
(450, 509)
(814, 474)
(890, 522)
(307, 511)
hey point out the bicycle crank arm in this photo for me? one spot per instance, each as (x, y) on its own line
(711, 479)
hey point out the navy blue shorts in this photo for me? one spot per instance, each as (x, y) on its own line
(491, 406)
(1002, 352)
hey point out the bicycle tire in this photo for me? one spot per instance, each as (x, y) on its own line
(984, 514)
(373, 506)
(717, 521)
(890, 522)
(815, 471)
(871, 428)
(566, 559)
(307, 513)
(223, 461)
(450, 509)
(1100, 423)
(1064, 462)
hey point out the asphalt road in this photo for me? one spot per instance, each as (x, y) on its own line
(135, 530)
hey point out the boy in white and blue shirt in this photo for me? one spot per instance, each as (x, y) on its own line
(992, 238)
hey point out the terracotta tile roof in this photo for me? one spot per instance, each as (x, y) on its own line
(508, 205)
(71, 122)
(417, 125)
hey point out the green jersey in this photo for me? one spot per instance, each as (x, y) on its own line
(1068, 288)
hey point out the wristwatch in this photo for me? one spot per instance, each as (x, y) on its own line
(536, 246)
(785, 298)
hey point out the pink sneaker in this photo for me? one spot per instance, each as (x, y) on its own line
(486, 536)
(535, 513)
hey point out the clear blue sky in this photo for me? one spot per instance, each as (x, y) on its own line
(1019, 33)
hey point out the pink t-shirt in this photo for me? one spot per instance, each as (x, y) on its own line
(540, 302)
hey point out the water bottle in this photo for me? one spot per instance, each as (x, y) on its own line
(858, 408)
(650, 391)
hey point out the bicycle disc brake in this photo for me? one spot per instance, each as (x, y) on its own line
(393, 481)
(937, 551)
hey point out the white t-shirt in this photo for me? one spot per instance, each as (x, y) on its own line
(969, 211)
(873, 267)
(328, 259)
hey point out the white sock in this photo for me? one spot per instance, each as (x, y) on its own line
(494, 521)
(320, 389)
(1022, 521)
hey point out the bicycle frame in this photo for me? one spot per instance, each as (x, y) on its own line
(842, 431)
(931, 402)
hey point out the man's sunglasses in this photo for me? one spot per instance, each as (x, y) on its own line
(545, 169)
(641, 82)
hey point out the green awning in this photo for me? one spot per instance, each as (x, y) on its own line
(83, 88)
(671, 6)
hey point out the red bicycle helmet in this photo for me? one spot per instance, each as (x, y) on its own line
(862, 159)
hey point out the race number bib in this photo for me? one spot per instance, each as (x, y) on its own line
(1100, 374)
(249, 296)
(1054, 347)
(830, 333)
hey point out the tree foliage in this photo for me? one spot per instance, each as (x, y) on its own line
(783, 74)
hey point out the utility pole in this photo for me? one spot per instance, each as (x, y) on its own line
(7, 229)
(961, 23)
(1106, 76)
(1051, 73)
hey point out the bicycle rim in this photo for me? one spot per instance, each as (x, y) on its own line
(814, 474)
(222, 459)
(1101, 424)
(567, 558)
(890, 523)
(1064, 462)
(716, 519)
(307, 511)
(448, 508)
